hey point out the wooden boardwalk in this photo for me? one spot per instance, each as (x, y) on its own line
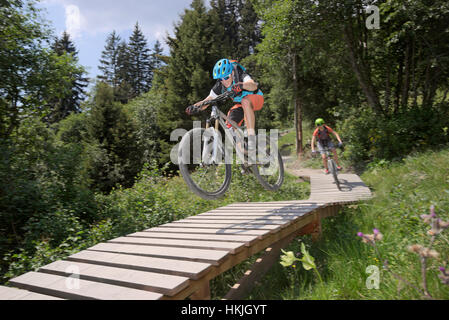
(178, 259)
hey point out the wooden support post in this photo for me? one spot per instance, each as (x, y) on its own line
(259, 269)
(203, 293)
(313, 228)
(317, 231)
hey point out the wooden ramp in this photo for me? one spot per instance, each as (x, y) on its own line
(177, 260)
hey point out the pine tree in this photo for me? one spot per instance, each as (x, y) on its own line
(113, 155)
(109, 62)
(140, 67)
(249, 28)
(227, 12)
(70, 103)
(64, 45)
(124, 91)
(156, 56)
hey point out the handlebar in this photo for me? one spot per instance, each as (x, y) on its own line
(328, 150)
(194, 109)
(221, 97)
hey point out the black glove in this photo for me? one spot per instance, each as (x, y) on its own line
(192, 110)
(237, 89)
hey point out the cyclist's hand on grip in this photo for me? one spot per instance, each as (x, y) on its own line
(341, 146)
(192, 110)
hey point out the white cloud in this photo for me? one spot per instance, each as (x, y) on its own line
(155, 17)
(73, 21)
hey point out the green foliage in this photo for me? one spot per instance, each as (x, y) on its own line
(71, 101)
(373, 138)
(112, 152)
(403, 192)
(154, 200)
(32, 76)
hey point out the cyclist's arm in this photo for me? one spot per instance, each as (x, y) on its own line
(313, 143)
(337, 136)
(250, 85)
(205, 106)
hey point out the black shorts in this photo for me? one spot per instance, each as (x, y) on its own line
(236, 114)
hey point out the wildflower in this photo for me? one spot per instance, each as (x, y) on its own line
(444, 276)
(371, 238)
(427, 218)
(416, 248)
(423, 252)
(437, 225)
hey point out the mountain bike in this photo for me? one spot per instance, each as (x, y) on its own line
(332, 165)
(206, 155)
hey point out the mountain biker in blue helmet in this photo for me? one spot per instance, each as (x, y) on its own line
(231, 76)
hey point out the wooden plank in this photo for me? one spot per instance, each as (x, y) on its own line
(222, 226)
(234, 221)
(266, 209)
(274, 204)
(150, 281)
(188, 236)
(189, 269)
(243, 215)
(272, 209)
(253, 214)
(69, 288)
(213, 257)
(8, 293)
(232, 247)
(260, 233)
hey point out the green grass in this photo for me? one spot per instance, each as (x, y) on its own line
(403, 191)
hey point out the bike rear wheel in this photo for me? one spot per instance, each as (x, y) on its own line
(269, 167)
(207, 177)
(333, 169)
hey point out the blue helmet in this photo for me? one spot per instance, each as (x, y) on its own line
(223, 68)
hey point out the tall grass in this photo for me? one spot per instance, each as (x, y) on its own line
(402, 192)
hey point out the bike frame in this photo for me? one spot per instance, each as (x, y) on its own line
(218, 118)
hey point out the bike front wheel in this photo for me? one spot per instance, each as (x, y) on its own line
(333, 169)
(201, 160)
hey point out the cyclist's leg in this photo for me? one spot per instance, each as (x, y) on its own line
(250, 118)
(251, 103)
(334, 151)
(323, 154)
(236, 114)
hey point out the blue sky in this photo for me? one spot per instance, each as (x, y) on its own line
(89, 22)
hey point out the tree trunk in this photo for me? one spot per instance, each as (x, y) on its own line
(388, 88)
(361, 72)
(406, 84)
(298, 108)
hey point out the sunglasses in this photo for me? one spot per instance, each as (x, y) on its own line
(225, 78)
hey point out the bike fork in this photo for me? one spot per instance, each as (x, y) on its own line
(207, 137)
